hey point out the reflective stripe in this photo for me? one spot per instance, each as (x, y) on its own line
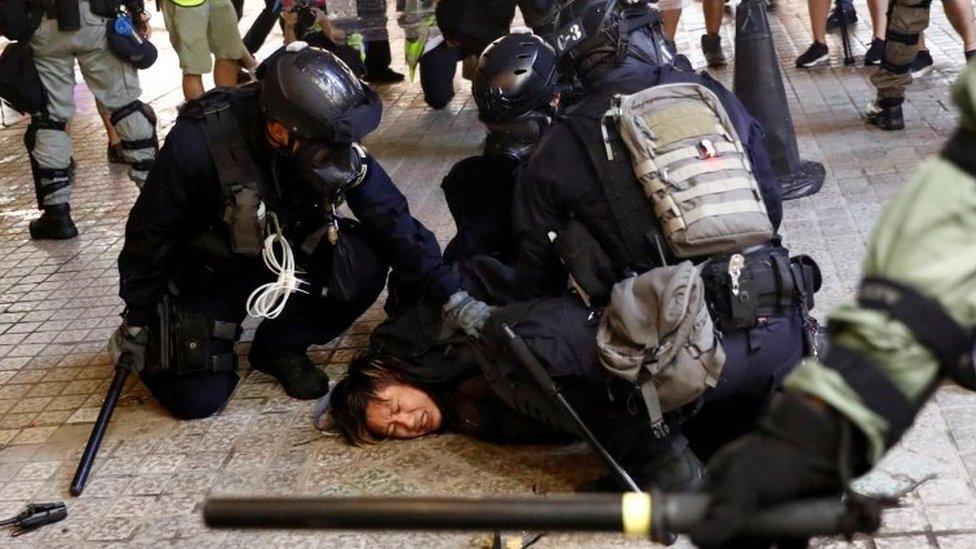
(705, 166)
(714, 187)
(188, 3)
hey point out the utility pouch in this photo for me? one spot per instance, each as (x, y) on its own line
(18, 20)
(242, 216)
(20, 85)
(190, 343)
(745, 305)
(68, 13)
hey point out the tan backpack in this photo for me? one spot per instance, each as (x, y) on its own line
(691, 164)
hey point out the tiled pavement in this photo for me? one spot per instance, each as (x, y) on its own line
(58, 304)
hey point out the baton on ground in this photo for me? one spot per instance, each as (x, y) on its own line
(98, 430)
(538, 372)
(636, 514)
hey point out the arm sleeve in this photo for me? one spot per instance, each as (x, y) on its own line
(411, 248)
(157, 221)
(535, 212)
(925, 240)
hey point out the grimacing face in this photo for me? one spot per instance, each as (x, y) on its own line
(402, 411)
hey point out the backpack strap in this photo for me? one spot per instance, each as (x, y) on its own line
(239, 176)
(631, 209)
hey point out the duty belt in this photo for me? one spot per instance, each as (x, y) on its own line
(743, 288)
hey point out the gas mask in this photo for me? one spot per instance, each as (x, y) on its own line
(516, 138)
(330, 170)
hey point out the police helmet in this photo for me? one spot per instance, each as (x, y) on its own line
(516, 74)
(317, 96)
(591, 31)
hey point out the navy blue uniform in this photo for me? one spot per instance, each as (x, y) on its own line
(478, 190)
(559, 183)
(175, 234)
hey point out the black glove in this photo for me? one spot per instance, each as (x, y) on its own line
(127, 347)
(800, 450)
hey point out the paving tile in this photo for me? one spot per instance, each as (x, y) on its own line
(58, 305)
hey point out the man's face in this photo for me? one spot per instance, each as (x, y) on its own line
(402, 411)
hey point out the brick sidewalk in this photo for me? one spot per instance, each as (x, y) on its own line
(59, 303)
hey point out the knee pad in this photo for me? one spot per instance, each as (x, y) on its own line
(135, 147)
(50, 184)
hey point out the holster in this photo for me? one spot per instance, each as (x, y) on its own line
(771, 283)
(188, 343)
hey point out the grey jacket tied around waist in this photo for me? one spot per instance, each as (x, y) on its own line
(657, 333)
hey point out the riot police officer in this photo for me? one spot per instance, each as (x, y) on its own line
(70, 31)
(910, 327)
(572, 190)
(275, 158)
(515, 88)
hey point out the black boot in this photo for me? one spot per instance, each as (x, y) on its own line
(54, 224)
(885, 114)
(378, 59)
(298, 375)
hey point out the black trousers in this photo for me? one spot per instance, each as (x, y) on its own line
(437, 70)
(344, 281)
(562, 333)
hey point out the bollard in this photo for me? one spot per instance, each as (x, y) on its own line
(759, 85)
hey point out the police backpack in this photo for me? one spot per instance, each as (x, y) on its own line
(693, 168)
(20, 84)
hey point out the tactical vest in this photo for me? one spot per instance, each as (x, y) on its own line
(241, 180)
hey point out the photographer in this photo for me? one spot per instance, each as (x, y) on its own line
(308, 21)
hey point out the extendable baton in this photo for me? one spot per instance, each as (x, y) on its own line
(538, 372)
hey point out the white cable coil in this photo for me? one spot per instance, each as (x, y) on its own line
(269, 300)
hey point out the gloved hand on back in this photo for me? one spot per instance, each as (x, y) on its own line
(465, 313)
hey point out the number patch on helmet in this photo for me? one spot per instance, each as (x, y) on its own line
(569, 37)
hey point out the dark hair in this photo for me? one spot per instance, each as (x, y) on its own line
(368, 374)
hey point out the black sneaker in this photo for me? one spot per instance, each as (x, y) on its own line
(816, 54)
(841, 17)
(922, 64)
(385, 76)
(886, 117)
(299, 376)
(114, 154)
(875, 53)
(54, 224)
(711, 45)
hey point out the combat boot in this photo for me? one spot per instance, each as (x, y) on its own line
(885, 115)
(54, 224)
(298, 375)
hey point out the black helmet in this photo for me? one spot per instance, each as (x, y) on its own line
(590, 31)
(314, 94)
(516, 74)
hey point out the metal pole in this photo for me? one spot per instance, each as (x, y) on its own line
(656, 516)
(538, 372)
(98, 430)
